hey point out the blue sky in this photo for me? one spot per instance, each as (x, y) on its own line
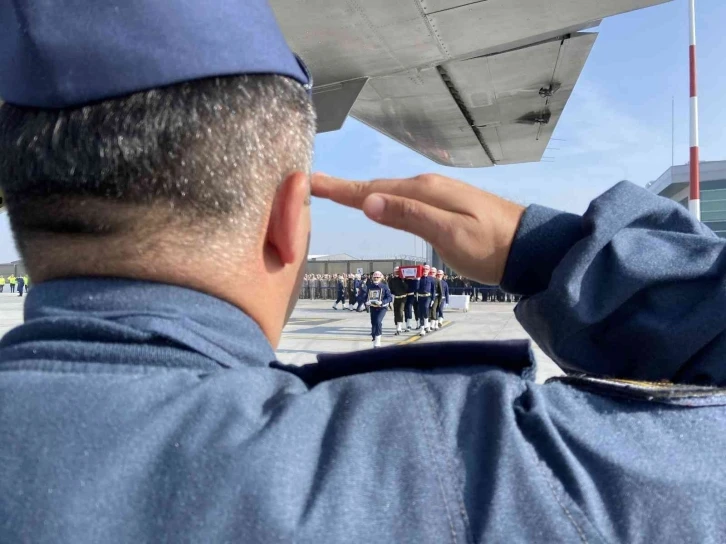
(617, 125)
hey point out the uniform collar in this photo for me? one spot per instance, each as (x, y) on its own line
(194, 320)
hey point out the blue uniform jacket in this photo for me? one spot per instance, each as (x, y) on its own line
(362, 295)
(445, 290)
(142, 412)
(341, 288)
(386, 296)
(426, 285)
(412, 285)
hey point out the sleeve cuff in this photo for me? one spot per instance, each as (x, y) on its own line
(543, 239)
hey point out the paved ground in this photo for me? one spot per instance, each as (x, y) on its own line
(315, 327)
(11, 310)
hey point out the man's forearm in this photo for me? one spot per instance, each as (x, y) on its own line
(633, 289)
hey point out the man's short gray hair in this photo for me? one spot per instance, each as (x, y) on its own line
(211, 153)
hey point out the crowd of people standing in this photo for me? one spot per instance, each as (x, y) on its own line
(12, 281)
(325, 287)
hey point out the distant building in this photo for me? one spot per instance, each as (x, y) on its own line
(15, 267)
(345, 264)
(673, 184)
(336, 257)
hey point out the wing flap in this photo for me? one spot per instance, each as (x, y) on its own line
(417, 109)
(494, 109)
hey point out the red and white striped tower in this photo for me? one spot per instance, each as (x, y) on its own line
(694, 202)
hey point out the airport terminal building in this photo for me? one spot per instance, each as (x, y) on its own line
(673, 184)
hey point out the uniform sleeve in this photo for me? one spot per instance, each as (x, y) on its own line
(387, 297)
(635, 288)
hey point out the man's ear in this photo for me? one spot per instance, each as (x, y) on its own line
(288, 229)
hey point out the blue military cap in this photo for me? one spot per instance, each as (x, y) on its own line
(65, 53)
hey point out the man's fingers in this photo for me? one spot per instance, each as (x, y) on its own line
(431, 189)
(408, 214)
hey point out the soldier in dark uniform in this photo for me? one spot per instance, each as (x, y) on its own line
(361, 293)
(399, 290)
(21, 284)
(444, 300)
(424, 295)
(141, 401)
(435, 300)
(411, 302)
(379, 295)
(367, 284)
(352, 292)
(339, 283)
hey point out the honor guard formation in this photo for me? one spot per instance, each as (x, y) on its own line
(418, 301)
(144, 141)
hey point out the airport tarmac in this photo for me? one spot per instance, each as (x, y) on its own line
(315, 327)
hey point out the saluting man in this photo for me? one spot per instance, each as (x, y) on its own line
(399, 290)
(424, 293)
(445, 296)
(379, 295)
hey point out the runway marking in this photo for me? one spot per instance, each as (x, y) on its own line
(300, 321)
(362, 338)
(418, 337)
(333, 338)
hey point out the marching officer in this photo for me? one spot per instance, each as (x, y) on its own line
(340, 292)
(444, 301)
(360, 293)
(424, 293)
(411, 303)
(351, 292)
(399, 290)
(379, 295)
(435, 300)
(367, 283)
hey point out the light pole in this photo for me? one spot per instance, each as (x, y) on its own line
(694, 201)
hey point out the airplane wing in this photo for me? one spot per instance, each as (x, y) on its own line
(493, 109)
(467, 83)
